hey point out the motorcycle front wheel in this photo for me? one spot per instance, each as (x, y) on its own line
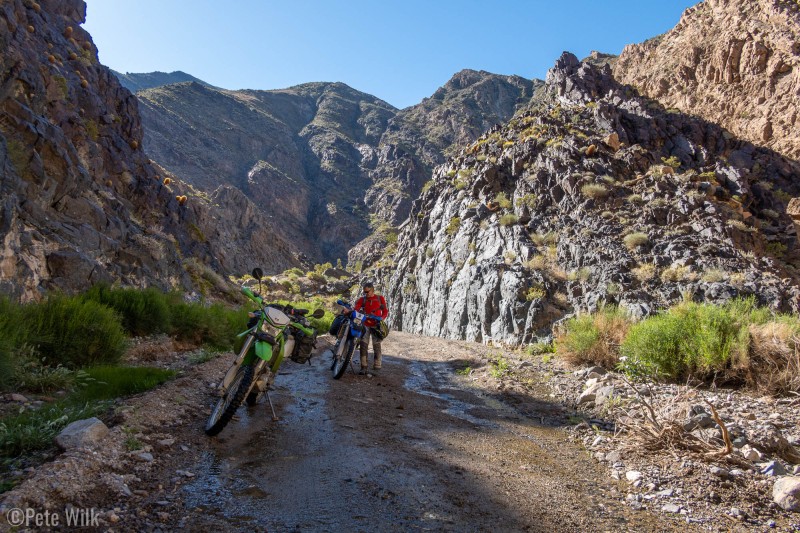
(343, 359)
(227, 405)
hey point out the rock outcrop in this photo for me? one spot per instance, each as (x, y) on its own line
(80, 202)
(593, 195)
(735, 63)
(138, 82)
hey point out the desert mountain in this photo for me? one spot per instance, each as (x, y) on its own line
(592, 195)
(139, 82)
(735, 63)
(327, 165)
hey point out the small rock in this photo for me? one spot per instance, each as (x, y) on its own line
(184, 448)
(82, 434)
(786, 493)
(773, 468)
(17, 398)
(737, 513)
(113, 518)
(796, 470)
(614, 456)
(145, 456)
(612, 141)
(633, 475)
(671, 508)
(750, 453)
(666, 493)
(166, 442)
(720, 472)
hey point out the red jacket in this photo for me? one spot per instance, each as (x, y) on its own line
(374, 305)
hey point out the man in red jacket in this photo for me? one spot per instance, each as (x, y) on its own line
(372, 304)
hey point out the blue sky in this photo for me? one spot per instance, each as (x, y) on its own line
(400, 51)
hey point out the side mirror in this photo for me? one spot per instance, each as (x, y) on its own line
(318, 313)
(258, 273)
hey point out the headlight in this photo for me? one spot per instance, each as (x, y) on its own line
(357, 321)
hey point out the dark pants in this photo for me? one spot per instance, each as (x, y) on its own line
(376, 349)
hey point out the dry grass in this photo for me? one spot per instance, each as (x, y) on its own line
(644, 272)
(662, 427)
(597, 191)
(634, 240)
(773, 364)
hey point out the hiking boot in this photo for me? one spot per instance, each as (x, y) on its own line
(362, 372)
(375, 371)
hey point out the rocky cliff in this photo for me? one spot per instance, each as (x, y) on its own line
(327, 164)
(592, 195)
(80, 202)
(733, 62)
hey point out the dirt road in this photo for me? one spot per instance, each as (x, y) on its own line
(418, 448)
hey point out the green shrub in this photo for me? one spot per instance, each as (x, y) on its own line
(509, 219)
(502, 201)
(453, 225)
(593, 338)
(214, 325)
(688, 340)
(143, 311)
(74, 332)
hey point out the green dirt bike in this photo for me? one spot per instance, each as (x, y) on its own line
(274, 332)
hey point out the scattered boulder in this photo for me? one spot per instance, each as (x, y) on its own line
(82, 434)
(786, 493)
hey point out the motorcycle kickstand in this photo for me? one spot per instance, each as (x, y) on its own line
(274, 416)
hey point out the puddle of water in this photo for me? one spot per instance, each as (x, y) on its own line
(419, 382)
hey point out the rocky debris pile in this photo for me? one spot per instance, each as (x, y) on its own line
(736, 64)
(592, 196)
(665, 444)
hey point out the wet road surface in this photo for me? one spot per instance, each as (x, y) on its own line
(417, 448)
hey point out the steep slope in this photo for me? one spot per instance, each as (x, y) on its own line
(592, 195)
(338, 162)
(139, 82)
(80, 200)
(736, 63)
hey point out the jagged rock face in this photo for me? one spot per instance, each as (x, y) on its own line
(329, 158)
(80, 201)
(592, 195)
(735, 63)
(420, 137)
(72, 174)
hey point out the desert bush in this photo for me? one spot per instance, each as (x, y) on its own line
(773, 362)
(73, 332)
(143, 311)
(502, 201)
(453, 225)
(541, 239)
(509, 219)
(593, 338)
(644, 271)
(634, 240)
(598, 191)
(689, 340)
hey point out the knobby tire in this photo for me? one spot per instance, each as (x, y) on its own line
(342, 363)
(227, 405)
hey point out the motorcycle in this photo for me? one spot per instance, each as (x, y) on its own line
(274, 332)
(348, 329)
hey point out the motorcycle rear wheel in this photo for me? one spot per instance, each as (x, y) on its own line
(342, 361)
(227, 405)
